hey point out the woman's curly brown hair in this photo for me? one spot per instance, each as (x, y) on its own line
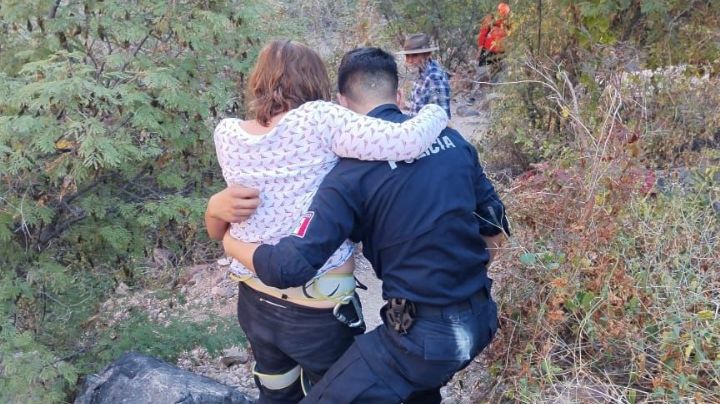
(287, 74)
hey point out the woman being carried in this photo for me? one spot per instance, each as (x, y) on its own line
(294, 140)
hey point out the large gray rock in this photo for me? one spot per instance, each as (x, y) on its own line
(138, 379)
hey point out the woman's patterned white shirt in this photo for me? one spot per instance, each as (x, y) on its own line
(288, 163)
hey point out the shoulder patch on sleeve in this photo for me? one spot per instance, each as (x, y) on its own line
(303, 225)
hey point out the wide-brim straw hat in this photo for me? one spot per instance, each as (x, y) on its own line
(417, 43)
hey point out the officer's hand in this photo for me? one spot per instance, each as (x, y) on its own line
(239, 250)
(234, 204)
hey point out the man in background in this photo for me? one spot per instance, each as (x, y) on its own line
(432, 85)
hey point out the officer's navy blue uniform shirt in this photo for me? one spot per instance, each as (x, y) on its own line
(419, 221)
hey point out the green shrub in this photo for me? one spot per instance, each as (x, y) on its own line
(138, 333)
(106, 115)
(454, 25)
(565, 58)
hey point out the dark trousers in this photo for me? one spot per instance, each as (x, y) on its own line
(283, 335)
(486, 58)
(383, 366)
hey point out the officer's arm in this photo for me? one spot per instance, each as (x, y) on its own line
(493, 244)
(295, 259)
(489, 208)
(240, 250)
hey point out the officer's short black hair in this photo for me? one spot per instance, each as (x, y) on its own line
(368, 71)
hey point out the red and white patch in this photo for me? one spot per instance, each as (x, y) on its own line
(302, 227)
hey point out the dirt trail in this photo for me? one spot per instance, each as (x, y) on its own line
(472, 127)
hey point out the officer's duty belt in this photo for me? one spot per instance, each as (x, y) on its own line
(401, 313)
(431, 310)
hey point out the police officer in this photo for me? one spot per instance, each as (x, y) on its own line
(428, 226)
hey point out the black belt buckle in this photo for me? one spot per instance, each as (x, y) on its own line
(400, 314)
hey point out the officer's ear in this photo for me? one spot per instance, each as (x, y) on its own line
(400, 98)
(342, 100)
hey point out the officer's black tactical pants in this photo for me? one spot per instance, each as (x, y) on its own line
(384, 366)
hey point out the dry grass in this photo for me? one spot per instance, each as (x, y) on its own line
(611, 286)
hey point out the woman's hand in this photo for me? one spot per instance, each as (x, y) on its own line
(234, 204)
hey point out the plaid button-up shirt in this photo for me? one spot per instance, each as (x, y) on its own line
(431, 87)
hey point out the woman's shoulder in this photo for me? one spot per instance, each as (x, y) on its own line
(312, 107)
(234, 127)
(229, 124)
(316, 113)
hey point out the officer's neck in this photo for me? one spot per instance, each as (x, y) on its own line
(364, 106)
(369, 107)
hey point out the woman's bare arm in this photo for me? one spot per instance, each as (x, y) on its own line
(349, 134)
